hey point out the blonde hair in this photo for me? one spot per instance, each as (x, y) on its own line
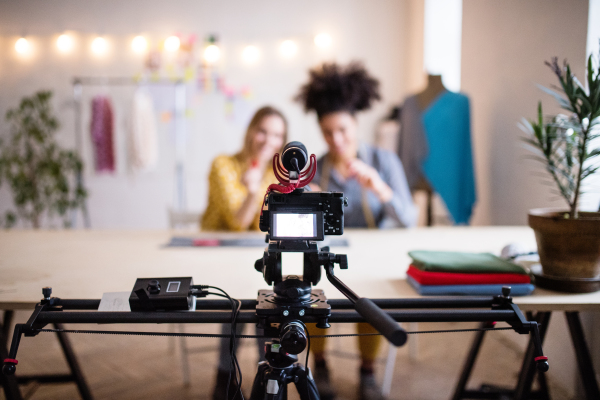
(257, 118)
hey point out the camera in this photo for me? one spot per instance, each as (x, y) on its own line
(303, 216)
(300, 214)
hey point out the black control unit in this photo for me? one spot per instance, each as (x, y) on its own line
(157, 294)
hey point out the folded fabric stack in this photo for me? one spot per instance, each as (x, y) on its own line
(453, 273)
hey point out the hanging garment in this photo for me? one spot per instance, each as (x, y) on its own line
(143, 133)
(101, 128)
(436, 144)
(449, 162)
(412, 142)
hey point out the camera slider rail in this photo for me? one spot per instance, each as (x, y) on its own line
(444, 309)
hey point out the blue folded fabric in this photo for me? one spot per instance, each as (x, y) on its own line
(516, 289)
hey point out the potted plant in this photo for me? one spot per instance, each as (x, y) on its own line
(41, 175)
(568, 239)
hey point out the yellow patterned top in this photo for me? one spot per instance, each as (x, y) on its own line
(226, 193)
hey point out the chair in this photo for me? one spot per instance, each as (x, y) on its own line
(183, 219)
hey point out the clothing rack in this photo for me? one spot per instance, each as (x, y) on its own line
(79, 82)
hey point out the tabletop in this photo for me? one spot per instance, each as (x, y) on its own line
(83, 264)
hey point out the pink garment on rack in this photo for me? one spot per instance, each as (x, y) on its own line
(101, 129)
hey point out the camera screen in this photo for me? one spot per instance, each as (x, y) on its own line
(289, 225)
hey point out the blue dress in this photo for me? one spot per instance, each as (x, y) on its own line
(448, 165)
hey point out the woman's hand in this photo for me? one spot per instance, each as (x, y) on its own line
(252, 179)
(369, 178)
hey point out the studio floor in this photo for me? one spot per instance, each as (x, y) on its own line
(133, 367)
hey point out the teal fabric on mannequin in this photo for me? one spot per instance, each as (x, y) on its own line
(448, 165)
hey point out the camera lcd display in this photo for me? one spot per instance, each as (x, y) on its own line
(296, 226)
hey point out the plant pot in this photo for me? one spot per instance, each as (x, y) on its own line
(568, 248)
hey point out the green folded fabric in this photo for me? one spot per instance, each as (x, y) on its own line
(450, 261)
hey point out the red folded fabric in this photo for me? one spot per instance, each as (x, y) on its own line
(452, 278)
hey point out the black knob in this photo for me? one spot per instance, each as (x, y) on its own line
(543, 366)
(506, 291)
(47, 292)
(258, 265)
(342, 259)
(153, 287)
(293, 339)
(9, 368)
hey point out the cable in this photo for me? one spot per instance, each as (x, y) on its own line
(306, 362)
(234, 365)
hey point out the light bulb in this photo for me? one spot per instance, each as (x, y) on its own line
(22, 46)
(250, 54)
(323, 40)
(64, 43)
(139, 44)
(212, 53)
(172, 43)
(99, 45)
(288, 48)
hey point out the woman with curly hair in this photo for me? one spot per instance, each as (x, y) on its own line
(372, 179)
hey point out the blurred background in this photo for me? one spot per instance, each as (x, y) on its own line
(202, 98)
(206, 66)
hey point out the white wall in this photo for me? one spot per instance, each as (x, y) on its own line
(504, 47)
(359, 30)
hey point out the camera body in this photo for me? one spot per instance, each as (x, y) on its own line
(303, 215)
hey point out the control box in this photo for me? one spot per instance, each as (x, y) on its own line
(162, 294)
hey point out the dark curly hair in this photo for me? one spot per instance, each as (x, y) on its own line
(333, 87)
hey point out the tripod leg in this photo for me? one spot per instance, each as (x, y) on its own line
(269, 383)
(8, 382)
(258, 387)
(306, 386)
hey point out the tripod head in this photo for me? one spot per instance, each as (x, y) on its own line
(296, 220)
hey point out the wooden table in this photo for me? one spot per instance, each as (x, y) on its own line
(85, 264)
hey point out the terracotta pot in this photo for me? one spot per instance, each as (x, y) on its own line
(568, 248)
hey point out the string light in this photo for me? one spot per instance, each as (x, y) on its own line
(139, 44)
(250, 54)
(212, 53)
(288, 48)
(323, 40)
(99, 45)
(22, 46)
(172, 43)
(64, 43)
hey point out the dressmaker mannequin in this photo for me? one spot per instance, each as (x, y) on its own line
(434, 88)
(431, 92)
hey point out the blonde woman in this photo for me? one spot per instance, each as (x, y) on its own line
(237, 185)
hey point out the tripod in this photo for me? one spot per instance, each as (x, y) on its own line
(277, 372)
